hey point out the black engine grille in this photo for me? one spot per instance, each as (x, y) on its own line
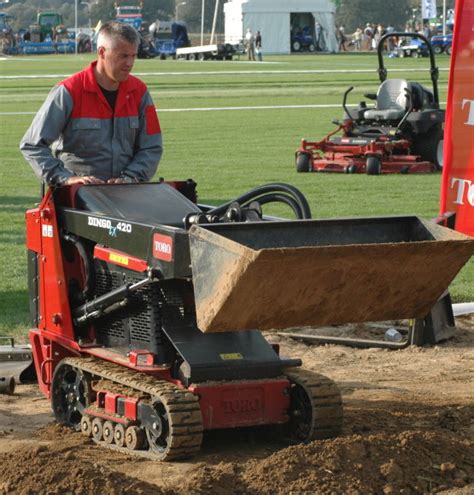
(139, 324)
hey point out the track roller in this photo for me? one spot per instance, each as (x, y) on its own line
(135, 438)
(86, 425)
(119, 435)
(97, 429)
(108, 432)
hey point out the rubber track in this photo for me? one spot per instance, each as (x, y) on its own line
(185, 419)
(326, 402)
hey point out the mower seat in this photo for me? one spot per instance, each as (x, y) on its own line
(392, 101)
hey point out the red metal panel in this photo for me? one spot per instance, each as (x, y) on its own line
(33, 230)
(55, 314)
(99, 414)
(245, 403)
(47, 353)
(110, 405)
(120, 258)
(130, 408)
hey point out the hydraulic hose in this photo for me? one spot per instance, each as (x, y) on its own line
(280, 198)
(259, 193)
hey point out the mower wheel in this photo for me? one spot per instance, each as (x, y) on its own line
(352, 169)
(296, 46)
(303, 162)
(448, 50)
(438, 49)
(415, 54)
(373, 166)
(311, 48)
(430, 147)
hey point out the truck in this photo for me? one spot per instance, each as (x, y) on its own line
(48, 26)
(47, 36)
(130, 14)
(168, 37)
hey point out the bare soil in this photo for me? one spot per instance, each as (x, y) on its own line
(408, 428)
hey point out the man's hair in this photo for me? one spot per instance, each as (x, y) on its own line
(114, 31)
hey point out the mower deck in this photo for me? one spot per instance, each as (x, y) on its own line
(354, 156)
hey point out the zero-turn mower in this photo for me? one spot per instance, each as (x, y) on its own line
(147, 307)
(402, 133)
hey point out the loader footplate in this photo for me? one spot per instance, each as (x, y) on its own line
(315, 406)
(167, 424)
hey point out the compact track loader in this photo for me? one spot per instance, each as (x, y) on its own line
(147, 307)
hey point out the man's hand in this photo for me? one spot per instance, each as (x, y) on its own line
(121, 180)
(87, 179)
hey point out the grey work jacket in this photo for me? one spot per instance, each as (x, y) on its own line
(76, 132)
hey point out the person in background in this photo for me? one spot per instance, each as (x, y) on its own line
(357, 37)
(101, 122)
(318, 31)
(341, 35)
(379, 32)
(368, 35)
(258, 46)
(250, 44)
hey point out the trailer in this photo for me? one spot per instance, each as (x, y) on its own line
(207, 52)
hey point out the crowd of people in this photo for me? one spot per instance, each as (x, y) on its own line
(367, 38)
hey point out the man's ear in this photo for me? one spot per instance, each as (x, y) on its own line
(101, 51)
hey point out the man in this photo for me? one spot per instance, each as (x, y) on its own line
(318, 31)
(250, 44)
(101, 122)
(258, 46)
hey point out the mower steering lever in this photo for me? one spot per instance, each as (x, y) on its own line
(408, 112)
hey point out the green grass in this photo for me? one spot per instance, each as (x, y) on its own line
(225, 152)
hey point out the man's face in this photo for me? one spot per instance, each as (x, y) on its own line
(118, 60)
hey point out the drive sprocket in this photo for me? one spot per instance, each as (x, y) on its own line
(315, 406)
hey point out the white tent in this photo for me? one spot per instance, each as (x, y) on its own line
(278, 20)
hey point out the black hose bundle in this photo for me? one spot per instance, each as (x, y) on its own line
(271, 193)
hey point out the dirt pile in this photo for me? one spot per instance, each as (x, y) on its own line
(411, 462)
(408, 428)
(59, 468)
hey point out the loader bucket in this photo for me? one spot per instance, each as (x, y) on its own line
(275, 275)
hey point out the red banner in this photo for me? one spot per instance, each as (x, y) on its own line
(457, 187)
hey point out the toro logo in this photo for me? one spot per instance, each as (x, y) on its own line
(162, 247)
(232, 406)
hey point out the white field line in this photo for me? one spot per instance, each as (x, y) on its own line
(225, 72)
(218, 109)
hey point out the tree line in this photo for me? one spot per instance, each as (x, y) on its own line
(350, 13)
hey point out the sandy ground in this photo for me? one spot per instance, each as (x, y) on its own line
(408, 428)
